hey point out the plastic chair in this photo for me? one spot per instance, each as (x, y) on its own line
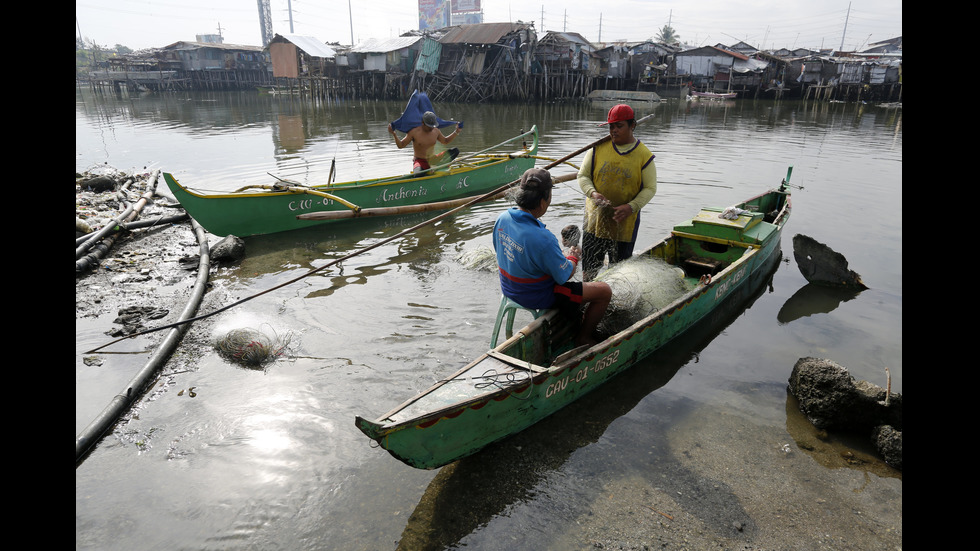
(508, 307)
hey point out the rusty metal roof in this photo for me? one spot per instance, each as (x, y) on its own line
(481, 33)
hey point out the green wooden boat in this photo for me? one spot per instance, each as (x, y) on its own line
(537, 371)
(257, 210)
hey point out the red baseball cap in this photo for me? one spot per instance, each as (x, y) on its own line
(618, 113)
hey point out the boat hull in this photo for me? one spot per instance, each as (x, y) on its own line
(715, 95)
(251, 213)
(464, 413)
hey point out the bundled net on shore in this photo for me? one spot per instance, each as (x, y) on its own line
(251, 347)
(640, 286)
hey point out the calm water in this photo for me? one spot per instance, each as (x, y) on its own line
(271, 459)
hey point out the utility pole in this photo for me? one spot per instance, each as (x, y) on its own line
(845, 26)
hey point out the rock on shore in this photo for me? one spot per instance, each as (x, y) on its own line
(832, 399)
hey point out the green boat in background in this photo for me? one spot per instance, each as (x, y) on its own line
(283, 206)
(720, 254)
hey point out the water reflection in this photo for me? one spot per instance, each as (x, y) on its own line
(814, 299)
(402, 314)
(835, 450)
(364, 240)
(292, 136)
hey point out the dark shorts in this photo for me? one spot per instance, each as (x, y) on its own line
(568, 297)
(594, 250)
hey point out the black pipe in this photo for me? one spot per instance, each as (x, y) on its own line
(137, 224)
(98, 427)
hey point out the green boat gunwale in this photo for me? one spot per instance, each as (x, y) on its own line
(265, 209)
(734, 264)
(484, 160)
(343, 186)
(585, 358)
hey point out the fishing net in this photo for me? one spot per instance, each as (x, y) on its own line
(251, 347)
(640, 285)
(482, 258)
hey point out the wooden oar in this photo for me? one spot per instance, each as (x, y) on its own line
(385, 241)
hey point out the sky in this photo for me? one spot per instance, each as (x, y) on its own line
(764, 24)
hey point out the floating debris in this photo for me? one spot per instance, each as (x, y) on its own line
(131, 319)
(482, 258)
(822, 265)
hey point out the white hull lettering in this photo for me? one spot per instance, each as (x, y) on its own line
(402, 193)
(556, 387)
(722, 289)
(306, 204)
(582, 374)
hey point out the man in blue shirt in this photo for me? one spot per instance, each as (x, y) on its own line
(533, 270)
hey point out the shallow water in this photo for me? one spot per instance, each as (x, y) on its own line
(268, 459)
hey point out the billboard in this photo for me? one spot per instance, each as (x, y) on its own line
(460, 6)
(433, 14)
(436, 14)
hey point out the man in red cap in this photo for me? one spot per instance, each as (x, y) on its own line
(618, 177)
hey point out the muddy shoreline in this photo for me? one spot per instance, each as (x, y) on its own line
(142, 266)
(710, 480)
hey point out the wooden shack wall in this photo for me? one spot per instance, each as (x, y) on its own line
(285, 62)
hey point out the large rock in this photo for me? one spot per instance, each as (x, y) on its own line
(229, 249)
(888, 440)
(832, 399)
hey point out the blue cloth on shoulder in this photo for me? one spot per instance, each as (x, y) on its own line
(418, 104)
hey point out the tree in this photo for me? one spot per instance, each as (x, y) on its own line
(667, 35)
